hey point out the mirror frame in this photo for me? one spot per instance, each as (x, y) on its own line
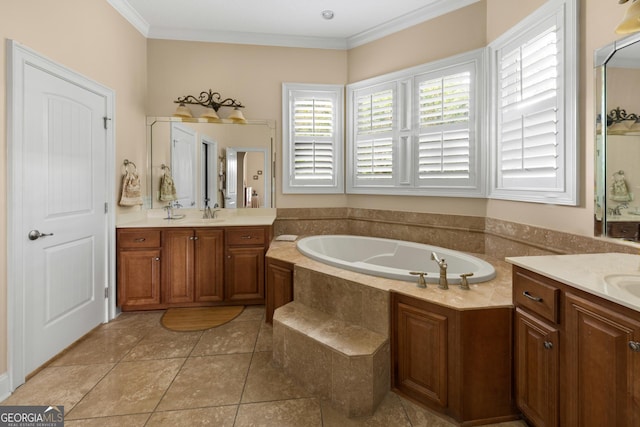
(270, 184)
(601, 58)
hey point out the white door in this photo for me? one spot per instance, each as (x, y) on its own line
(63, 225)
(183, 164)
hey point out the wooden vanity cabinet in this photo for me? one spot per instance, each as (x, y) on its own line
(455, 362)
(279, 286)
(245, 265)
(138, 266)
(192, 266)
(591, 352)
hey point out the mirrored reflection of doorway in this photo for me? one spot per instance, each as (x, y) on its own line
(246, 184)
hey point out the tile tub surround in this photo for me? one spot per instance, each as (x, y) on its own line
(334, 337)
(482, 235)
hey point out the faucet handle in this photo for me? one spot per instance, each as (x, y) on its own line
(464, 284)
(421, 282)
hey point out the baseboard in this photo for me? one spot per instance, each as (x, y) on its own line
(5, 390)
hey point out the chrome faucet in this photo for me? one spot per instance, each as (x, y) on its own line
(442, 282)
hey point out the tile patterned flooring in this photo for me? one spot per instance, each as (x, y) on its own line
(133, 372)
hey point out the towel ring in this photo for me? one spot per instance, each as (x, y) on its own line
(127, 163)
(163, 167)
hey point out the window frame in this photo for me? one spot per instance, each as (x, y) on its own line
(291, 185)
(405, 84)
(565, 14)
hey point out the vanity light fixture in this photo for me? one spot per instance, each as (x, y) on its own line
(183, 111)
(631, 21)
(619, 121)
(212, 101)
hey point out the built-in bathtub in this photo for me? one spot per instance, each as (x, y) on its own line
(393, 259)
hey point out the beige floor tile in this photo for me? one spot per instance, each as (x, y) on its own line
(161, 343)
(62, 385)
(282, 413)
(207, 381)
(389, 413)
(135, 320)
(251, 312)
(420, 417)
(219, 416)
(137, 420)
(266, 382)
(130, 388)
(265, 338)
(233, 337)
(101, 346)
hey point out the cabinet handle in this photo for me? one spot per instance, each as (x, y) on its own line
(548, 345)
(531, 297)
(193, 238)
(634, 346)
(245, 237)
(139, 240)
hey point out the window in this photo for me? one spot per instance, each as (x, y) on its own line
(416, 131)
(534, 125)
(312, 138)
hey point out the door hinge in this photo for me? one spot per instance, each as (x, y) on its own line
(106, 119)
(106, 207)
(106, 292)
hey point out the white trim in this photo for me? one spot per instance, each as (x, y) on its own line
(17, 57)
(124, 8)
(431, 11)
(5, 391)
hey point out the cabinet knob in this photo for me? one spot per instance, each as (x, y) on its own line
(634, 346)
(548, 345)
(193, 238)
(156, 259)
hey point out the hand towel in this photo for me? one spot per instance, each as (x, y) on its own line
(167, 187)
(131, 194)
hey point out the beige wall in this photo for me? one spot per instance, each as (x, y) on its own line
(251, 74)
(90, 37)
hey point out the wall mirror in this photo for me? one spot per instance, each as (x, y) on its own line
(617, 171)
(210, 163)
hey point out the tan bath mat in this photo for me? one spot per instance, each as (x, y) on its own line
(199, 318)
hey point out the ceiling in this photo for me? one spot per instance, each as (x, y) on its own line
(294, 23)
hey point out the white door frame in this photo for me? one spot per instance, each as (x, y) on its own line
(17, 56)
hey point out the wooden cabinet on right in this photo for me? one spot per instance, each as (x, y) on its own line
(589, 348)
(244, 266)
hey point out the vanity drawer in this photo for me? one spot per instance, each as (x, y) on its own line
(137, 238)
(536, 293)
(245, 236)
(626, 230)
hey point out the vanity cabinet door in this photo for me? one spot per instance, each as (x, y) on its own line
(178, 266)
(603, 364)
(209, 277)
(279, 286)
(138, 278)
(245, 274)
(536, 369)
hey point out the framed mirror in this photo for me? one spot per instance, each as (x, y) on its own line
(210, 163)
(617, 145)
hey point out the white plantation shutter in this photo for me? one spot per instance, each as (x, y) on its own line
(313, 140)
(415, 132)
(374, 135)
(534, 134)
(445, 126)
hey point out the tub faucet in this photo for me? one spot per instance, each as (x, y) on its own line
(442, 282)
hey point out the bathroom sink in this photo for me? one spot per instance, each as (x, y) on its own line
(175, 217)
(626, 283)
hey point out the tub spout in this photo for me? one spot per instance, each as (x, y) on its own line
(442, 282)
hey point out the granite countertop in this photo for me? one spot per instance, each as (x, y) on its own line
(493, 293)
(592, 273)
(155, 218)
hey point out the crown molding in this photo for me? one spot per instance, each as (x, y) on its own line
(438, 8)
(125, 9)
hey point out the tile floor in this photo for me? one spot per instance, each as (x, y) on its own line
(133, 372)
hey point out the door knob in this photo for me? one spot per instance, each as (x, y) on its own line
(35, 235)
